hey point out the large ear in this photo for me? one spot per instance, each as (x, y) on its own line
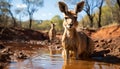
(63, 7)
(79, 6)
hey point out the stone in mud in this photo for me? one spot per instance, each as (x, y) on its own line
(2, 46)
(109, 40)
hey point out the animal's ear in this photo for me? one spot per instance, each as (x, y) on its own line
(79, 6)
(63, 7)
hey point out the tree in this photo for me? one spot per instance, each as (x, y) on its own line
(115, 9)
(100, 12)
(58, 21)
(6, 7)
(118, 2)
(32, 7)
(89, 8)
(20, 12)
(10, 12)
(3, 11)
(113, 2)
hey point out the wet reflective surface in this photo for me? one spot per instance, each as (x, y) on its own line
(45, 61)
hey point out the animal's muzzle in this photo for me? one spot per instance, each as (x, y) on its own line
(70, 25)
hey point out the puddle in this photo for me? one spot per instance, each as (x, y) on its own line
(45, 61)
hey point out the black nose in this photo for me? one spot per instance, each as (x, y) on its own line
(71, 24)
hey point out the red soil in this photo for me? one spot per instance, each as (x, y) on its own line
(107, 32)
(107, 42)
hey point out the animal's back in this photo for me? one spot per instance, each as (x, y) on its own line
(86, 44)
(82, 42)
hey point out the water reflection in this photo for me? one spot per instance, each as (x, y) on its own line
(45, 61)
(39, 62)
(78, 64)
(81, 64)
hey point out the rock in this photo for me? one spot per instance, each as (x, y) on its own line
(4, 57)
(96, 41)
(97, 45)
(100, 53)
(109, 40)
(22, 55)
(102, 40)
(2, 46)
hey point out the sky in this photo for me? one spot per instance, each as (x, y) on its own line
(49, 10)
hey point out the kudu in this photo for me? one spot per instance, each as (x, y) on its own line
(73, 42)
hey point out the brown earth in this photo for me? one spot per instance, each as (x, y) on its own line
(23, 42)
(21, 34)
(107, 43)
(17, 43)
(107, 32)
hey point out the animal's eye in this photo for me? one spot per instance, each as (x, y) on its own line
(66, 17)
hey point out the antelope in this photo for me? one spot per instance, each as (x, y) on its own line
(52, 32)
(73, 42)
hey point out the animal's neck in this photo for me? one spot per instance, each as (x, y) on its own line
(70, 33)
(52, 27)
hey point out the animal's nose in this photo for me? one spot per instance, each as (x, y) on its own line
(71, 24)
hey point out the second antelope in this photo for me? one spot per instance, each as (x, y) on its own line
(52, 32)
(73, 42)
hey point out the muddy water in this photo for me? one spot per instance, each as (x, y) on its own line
(45, 61)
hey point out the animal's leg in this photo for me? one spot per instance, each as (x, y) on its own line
(67, 54)
(64, 54)
(76, 55)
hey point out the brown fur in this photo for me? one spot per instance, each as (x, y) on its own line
(73, 42)
(52, 32)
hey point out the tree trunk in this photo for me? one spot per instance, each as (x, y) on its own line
(99, 15)
(99, 21)
(20, 21)
(91, 20)
(30, 25)
(14, 21)
(118, 2)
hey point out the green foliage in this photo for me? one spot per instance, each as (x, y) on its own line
(85, 22)
(109, 16)
(106, 16)
(58, 21)
(45, 25)
(25, 24)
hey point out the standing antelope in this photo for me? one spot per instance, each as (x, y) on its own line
(52, 32)
(73, 42)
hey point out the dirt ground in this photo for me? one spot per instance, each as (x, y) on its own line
(107, 43)
(22, 43)
(108, 38)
